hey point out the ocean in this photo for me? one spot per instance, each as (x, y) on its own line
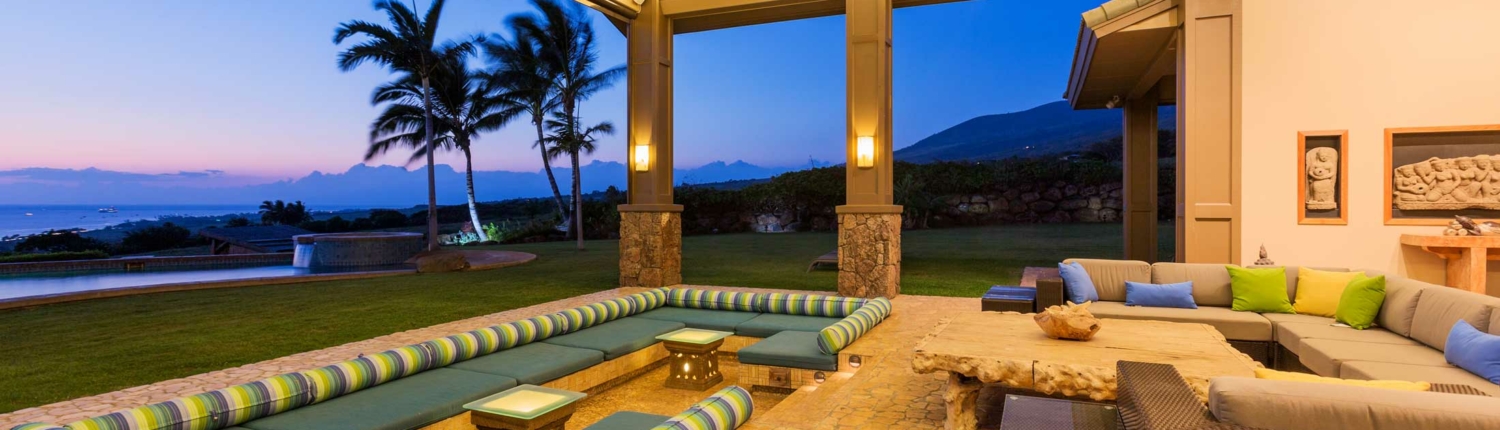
(30, 219)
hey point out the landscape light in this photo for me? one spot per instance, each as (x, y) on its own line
(864, 151)
(642, 157)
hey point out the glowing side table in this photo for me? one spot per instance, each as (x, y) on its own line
(525, 407)
(695, 358)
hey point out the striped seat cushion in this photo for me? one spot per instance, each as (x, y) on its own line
(593, 314)
(725, 410)
(650, 299)
(38, 426)
(833, 339)
(813, 305)
(710, 299)
(208, 411)
(348, 376)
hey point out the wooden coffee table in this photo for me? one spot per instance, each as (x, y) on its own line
(1007, 348)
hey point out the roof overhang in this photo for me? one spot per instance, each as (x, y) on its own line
(1125, 47)
(689, 16)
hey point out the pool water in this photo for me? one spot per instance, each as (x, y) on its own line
(43, 284)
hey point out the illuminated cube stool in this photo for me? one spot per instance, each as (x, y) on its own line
(695, 358)
(525, 407)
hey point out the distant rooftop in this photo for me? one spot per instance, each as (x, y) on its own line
(261, 238)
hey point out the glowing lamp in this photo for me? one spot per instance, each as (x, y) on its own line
(864, 151)
(642, 158)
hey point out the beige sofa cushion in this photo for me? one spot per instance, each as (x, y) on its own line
(1109, 276)
(1210, 281)
(1286, 405)
(1291, 334)
(1325, 356)
(1233, 325)
(1411, 372)
(1439, 308)
(1401, 296)
(1495, 321)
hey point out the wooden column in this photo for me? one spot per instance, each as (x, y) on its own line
(650, 224)
(869, 222)
(1208, 136)
(1141, 177)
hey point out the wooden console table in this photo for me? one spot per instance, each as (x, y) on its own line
(1465, 255)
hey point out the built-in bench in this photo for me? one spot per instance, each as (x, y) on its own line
(726, 410)
(417, 385)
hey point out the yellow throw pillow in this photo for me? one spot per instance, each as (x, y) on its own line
(1318, 291)
(1303, 377)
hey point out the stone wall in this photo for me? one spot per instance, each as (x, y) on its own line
(1040, 203)
(650, 249)
(869, 254)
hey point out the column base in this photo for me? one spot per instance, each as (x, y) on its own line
(869, 251)
(650, 248)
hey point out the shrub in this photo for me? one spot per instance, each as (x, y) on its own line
(60, 241)
(386, 218)
(165, 236)
(238, 222)
(53, 256)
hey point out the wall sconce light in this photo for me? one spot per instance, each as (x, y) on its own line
(864, 151)
(642, 157)
(820, 377)
(854, 361)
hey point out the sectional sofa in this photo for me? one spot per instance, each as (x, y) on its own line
(1408, 344)
(417, 385)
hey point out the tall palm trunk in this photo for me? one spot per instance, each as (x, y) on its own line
(469, 178)
(547, 165)
(432, 224)
(577, 201)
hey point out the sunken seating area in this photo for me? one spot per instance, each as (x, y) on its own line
(417, 385)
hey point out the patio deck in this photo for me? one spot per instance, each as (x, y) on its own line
(884, 393)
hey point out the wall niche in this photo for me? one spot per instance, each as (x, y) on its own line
(1323, 183)
(1434, 173)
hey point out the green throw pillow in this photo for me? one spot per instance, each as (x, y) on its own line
(1361, 302)
(1259, 290)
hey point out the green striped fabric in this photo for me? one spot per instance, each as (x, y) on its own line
(650, 299)
(833, 339)
(710, 299)
(725, 410)
(348, 376)
(38, 426)
(813, 305)
(209, 411)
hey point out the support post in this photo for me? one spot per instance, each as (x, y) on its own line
(1141, 177)
(650, 224)
(1208, 132)
(869, 222)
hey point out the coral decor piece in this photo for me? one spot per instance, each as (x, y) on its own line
(1070, 321)
(1322, 177)
(1464, 226)
(1447, 184)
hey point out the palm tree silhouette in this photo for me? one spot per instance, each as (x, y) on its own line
(565, 40)
(409, 46)
(566, 140)
(516, 66)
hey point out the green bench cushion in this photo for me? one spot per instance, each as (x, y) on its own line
(797, 349)
(767, 325)
(627, 420)
(619, 337)
(707, 319)
(534, 363)
(405, 403)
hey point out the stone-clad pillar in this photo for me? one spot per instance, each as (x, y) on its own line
(650, 248)
(869, 222)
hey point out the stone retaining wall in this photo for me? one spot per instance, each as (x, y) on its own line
(1045, 203)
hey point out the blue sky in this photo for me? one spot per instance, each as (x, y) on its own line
(250, 87)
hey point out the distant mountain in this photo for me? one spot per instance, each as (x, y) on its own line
(375, 186)
(1046, 129)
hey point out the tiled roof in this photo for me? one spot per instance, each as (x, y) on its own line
(265, 238)
(1112, 9)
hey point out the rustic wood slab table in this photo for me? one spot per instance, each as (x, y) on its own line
(1007, 348)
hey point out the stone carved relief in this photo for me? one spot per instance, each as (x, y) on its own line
(1322, 178)
(1447, 184)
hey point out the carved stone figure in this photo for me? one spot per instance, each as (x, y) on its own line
(1322, 175)
(1069, 321)
(1446, 184)
(1265, 259)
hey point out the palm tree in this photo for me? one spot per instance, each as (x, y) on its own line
(565, 141)
(464, 106)
(516, 65)
(410, 47)
(565, 40)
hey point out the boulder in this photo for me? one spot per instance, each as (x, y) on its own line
(1017, 206)
(1086, 215)
(1073, 204)
(1052, 194)
(439, 261)
(1030, 197)
(1057, 217)
(977, 199)
(1109, 215)
(953, 200)
(1011, 194)
(1070, 190)
(979, 209)
(1112, 204)
(999, 205)
(1096, 203)
(1089, 191)
(1115, 194)
(1041, 206)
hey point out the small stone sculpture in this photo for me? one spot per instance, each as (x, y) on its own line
(1070, 321)
(1446, 184)
(1322, 175)
(1264, 260)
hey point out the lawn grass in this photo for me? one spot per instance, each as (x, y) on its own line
(69, 350)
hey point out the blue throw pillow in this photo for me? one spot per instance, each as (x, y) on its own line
(1076, 280)
(1475, 351)
(1178, 295)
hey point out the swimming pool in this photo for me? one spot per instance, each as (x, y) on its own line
(47, 284)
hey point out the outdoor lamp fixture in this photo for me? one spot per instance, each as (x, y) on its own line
(820, 377)
(854, 361)
(642, 157)
(864, 151)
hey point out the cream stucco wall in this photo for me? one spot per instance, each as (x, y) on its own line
(1360, 65)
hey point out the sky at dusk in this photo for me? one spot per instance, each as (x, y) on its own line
(250, 87)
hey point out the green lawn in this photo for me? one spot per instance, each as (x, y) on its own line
(70, 350)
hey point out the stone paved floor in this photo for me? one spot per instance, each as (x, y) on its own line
(884, 393)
